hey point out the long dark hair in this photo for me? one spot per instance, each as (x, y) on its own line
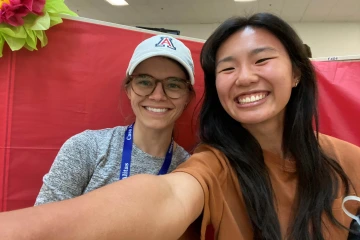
(318, 175)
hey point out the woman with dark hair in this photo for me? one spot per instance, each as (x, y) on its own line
(262, 170)
(291, 178)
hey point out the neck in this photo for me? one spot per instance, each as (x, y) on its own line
(269, 134)
(152, 141)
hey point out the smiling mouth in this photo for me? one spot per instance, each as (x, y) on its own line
(251, 98)
(157, 110)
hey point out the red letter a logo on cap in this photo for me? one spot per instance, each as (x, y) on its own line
(166, 42)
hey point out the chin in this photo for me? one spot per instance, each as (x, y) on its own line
(251, 120)
(158, 125)
(248, 122)
(256, 117)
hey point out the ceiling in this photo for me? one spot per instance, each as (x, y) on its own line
(214, 11)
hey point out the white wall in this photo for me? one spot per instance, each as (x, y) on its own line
(325, 39)
(330, 39)
(201, 31)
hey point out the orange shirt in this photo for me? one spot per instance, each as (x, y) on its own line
(225, 208)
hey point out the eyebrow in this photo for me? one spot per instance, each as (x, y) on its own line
(252, 52)
(262, 49)
(226, 59)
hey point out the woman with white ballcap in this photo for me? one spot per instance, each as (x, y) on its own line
(159, 83)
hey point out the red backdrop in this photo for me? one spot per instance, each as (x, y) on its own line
(339, 99)
(74, 84)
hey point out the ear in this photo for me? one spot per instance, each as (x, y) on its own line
(128, 91)
(296, 76)
(190, 97)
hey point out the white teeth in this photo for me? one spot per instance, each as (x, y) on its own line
(158, 110)
(251, 99)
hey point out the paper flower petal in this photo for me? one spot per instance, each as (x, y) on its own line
(58, 6)
(17, 32)
(30, 21)
(13, 42)
(2, 42)
(31, 40)
(42, 37)
(42, 22)
(55, 19)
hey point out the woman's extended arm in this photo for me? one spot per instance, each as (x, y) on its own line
(140, 207)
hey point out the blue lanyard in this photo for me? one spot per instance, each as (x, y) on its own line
(127, 150)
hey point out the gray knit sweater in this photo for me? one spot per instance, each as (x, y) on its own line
(92, 159)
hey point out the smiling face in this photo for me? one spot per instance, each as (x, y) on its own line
(254, 77)
(157, 111)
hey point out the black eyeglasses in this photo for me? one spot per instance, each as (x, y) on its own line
(173, 87)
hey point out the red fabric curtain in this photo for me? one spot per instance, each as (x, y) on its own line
(339, 99)
(75, 83)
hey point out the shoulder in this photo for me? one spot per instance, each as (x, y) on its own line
(340, 150)
(211, 156)
(211, 168)
(104, 133)
(181, 154)
(206, 162)
(99, 135)
(346, 154)
(91, 139)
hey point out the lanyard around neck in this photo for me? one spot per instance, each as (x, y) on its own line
(127, 151)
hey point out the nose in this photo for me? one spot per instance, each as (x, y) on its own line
(158, 94)
(246, 76)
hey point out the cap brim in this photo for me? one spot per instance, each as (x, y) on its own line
(157, 54)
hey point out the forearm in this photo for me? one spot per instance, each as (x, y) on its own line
(135, 208)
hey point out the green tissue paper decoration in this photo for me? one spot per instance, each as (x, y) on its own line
(33, 25)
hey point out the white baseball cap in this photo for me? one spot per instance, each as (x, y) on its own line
(166, 46)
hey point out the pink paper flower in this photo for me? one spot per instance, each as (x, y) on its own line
(13, 11)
